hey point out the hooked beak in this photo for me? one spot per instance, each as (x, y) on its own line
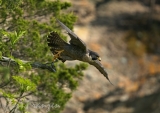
(99, 58)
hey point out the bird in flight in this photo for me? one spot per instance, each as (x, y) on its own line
(76, 49)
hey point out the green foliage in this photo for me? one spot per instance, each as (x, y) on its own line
(13, 37)
(24, 84)
(24, 27)
(7, 94)
(4, 75)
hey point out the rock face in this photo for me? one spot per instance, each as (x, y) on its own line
(103, 25)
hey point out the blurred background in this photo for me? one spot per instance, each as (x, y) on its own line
(126, 34)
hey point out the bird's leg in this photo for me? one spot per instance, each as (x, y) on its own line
(57, 55)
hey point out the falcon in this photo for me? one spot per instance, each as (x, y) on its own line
(76, 49)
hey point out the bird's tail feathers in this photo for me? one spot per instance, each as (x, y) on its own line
(54, 40)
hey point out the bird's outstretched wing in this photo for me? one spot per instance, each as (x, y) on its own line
(75, 40)
(99, 66)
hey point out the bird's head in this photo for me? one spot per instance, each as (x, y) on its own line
(94, 55)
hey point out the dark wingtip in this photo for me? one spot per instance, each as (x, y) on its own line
(109, 81)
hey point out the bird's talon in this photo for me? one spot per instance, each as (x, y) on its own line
(57, 55)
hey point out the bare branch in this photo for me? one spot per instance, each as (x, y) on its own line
(48, 66)
(18, 100)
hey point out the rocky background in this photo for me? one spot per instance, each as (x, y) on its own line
(126, 34)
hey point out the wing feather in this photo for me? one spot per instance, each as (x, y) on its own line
(99, 66)
(75, 40)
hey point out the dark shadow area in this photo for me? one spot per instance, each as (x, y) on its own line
(96, 104)
(144, 2)
(125, 21)
(145, 104)
(99, 3)
(143, 26)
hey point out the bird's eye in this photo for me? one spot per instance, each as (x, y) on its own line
(94, 58)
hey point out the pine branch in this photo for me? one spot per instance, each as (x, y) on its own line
(48, 66)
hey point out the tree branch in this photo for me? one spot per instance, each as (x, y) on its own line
(48, 66)
(18, 100)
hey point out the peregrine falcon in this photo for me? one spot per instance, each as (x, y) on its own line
(76, 49)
